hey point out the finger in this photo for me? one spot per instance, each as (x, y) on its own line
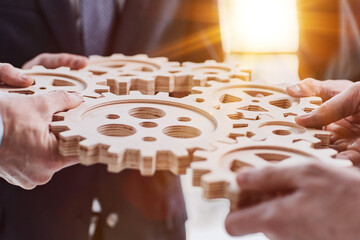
(268, 179)
(306, 88)
(59, 101)
(324, 89)
(58, 60)
(259, 218)
(12, 77)
(352, 155)
(338, 107)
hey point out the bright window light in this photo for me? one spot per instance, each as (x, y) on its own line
(259, 26)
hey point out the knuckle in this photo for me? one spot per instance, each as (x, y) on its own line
(312, 169)
(5, 68)
(41, 179)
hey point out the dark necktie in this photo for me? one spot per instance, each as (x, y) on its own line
(97, 17)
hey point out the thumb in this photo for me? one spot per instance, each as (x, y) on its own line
(341, 106)
(59, 101)
(12, 77)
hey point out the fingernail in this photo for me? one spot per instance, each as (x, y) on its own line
(295, 89)
(26, 78)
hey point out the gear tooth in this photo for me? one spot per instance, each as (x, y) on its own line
(117, 55)
(210, 62)
(38, 68)
(198, 89)
(173, 64)
(329, 152)
(187, 64)
(303, 143)
(69, 134)
(109, 95)
(95, 57)
(135, 93)
(62, 69)
(201, 165)
(162, 94)
(88, 143)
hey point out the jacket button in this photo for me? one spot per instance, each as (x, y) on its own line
(112, 220)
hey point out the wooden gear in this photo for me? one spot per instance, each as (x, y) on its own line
(241, 100)
(285, 130)
(150, 75)
(209, 70)
(142, 132)
(47, 80)
(141, 73)
(216, 174)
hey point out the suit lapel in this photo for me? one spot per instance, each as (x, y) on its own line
(62, 22)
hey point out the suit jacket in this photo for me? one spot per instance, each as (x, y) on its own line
(329, 46)
(147, 208)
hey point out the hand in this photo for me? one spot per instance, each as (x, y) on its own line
(12, 77)
(29, 152)
(51, 60)
(340, 113)
(322, 205)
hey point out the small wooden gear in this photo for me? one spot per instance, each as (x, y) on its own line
(142, 132)
(243, 100)
(47, 80)
(283, 129)
(211, 70)
(216, 174)
(141, 73)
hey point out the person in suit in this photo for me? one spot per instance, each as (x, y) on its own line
(132, 207)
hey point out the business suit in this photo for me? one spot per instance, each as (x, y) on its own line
(329, 46)
(148, 208)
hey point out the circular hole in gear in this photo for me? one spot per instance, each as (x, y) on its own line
(281, 132)
(184, 119)
(148, 124)
(181, 132)
(149, 139)
(112, 116)
(116, 130)
(147, 113)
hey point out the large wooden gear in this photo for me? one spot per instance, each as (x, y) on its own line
(243, 100)
(216, 173)
(47, 80)
(140, 73)
(142, 132)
